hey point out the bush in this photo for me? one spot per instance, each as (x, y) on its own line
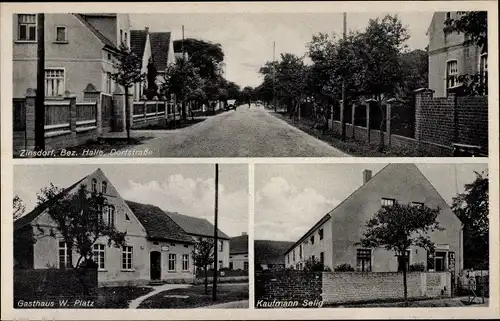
(344, 268)
(417, 267)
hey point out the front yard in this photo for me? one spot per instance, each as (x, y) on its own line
(119, 297)
(195, 297)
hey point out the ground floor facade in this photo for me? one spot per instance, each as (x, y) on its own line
(238, 261)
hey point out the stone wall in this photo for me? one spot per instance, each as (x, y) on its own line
(288, 285)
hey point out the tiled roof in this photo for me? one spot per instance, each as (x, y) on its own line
(28, 218)
(238, 244)
(160, 44)
(270, 252)
(96, 32)
(196, 226)
(138, 41)
(158, 225)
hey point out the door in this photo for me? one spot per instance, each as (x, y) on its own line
(155, 265)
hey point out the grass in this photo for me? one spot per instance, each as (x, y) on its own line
(119, 297)
(351, 146)
(196, 297)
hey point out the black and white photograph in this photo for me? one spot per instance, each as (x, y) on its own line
(371, 235)
(137, 236)
(370, 84)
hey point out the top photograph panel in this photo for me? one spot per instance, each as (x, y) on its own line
(408, 84)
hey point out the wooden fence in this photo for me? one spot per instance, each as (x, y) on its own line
(57, 117)
(86, 116)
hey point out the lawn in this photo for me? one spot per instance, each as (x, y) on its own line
(194, 297)
(119, 297)
(351, 146)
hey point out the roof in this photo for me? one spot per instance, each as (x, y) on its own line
(160, 44)
(157, 223)
(31, 216)
(196, 226)
(238, 245)
(138, 41)
(270, 252)
(102, 38)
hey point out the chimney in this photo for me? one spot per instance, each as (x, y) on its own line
(243, 233)
(367, 175)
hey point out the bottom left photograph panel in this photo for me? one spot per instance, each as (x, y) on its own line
(120, 236)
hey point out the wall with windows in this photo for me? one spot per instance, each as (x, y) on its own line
(447, 54)
(238, 261)
(172, 254)
(79, 57)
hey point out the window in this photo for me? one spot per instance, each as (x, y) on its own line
(121, 36)
(54, 82)
(99, 255)
(451, 74)
(108, 215)
(221, 246)
(109, 83)
(231, 266)
(387, 202)
(293, 255)
(321, 234)
(125, 39)
(94, 185)
(364, 260)
(127, 218)
(300, 251)
(171, 262)
(448, 15)
(104, 187)
(64, 256)
(483, 70)
(245, 266)
(404, 262)
(322, 257)
(417, 204)
(127, 258)
(185, 262)
(288, 258)
(312, 240)
(26, 27)
(61, 34)
(109, 57)
(221, 264)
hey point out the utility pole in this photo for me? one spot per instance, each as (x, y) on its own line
(216, 242)
(342, 106)
(274, 76)
(40, 85)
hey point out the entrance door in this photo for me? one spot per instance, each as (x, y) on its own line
(155, 265)
(440, 261)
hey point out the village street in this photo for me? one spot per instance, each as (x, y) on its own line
(244, 132)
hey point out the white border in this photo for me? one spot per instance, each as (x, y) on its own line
(6, 11)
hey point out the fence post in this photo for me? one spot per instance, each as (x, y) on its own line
(30, 118)
(119, 110)
(72, 111)
(353, 118)
(421, 94)
(368, 130)
(388, 120)
(144, 109)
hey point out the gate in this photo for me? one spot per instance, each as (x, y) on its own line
(106, 112)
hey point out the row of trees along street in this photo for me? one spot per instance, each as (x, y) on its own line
(195, 78)
(374, 64)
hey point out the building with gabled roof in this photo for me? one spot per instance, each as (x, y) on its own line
(238, 252)
(333, 239)
(157, 249)
(201, 228)
(270, 254)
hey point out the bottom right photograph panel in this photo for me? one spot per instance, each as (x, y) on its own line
(371, 235)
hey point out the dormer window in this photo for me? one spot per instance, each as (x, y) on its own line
(104, 187)
(94, 185)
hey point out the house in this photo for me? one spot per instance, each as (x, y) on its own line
(333, 239)
(270, 254)
(156, 47)
(201, 228)
(157, 248)
(238, 252)
(449, 56)
(79, 49)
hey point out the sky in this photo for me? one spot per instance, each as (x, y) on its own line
(247, 38)
(291, 198)
(187, 189)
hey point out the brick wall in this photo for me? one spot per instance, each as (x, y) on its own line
(343, 287)
(288, 285)
(472, 120)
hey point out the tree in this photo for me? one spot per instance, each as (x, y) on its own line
(472, 208)
(80, 220)
(205, 55)
(397, 227)
(128, 72)
(152, 73)
(474, 25)
(19, 207)
(203, 257)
